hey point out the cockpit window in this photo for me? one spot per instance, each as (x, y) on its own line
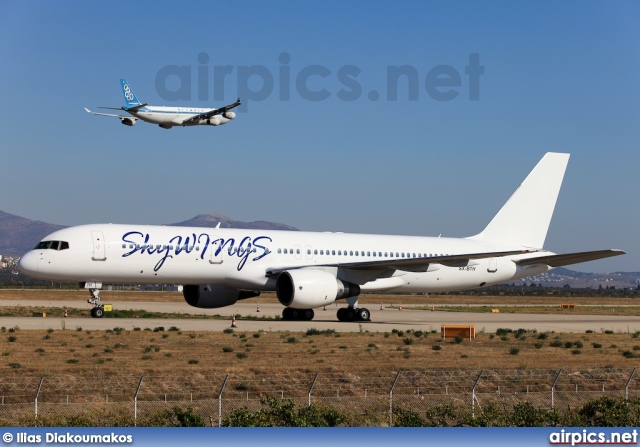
(52, 245)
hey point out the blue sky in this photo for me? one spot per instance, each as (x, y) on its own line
(556, 77)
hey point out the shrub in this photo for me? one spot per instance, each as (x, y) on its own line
(192, 362)
(292, 340)
(436, 347)
(227, 349)
(458, 339)
(596, 345)
(514, 351)
(555, 344)
(408, 340)
(11, 338)
(242, 355)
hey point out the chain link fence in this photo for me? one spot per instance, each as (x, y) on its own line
(369, 398)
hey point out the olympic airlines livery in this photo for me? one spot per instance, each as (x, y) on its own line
(219, 266)
(167, 117)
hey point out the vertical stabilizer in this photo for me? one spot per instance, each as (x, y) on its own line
(129, 97)
(524, 219)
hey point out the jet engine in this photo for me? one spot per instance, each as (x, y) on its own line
(306, 289)
(213, 121)
(128, 121)
(213, 296)
(229, 115)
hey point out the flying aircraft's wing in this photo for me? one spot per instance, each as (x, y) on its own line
(409, 264)
(569, 258)
(210, 113)
(112, 114)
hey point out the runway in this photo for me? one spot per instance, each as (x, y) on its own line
(381, 320)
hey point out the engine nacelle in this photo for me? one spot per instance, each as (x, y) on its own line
(229, 115)
(212, 121)
(306, 289)
(212, 296)
(128, 121)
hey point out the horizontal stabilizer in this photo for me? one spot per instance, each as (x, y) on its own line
(570, 258)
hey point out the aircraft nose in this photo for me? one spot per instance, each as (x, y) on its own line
(28, 263)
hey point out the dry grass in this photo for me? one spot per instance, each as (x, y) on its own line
(89, 353)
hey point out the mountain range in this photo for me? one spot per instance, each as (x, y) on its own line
(19, 235)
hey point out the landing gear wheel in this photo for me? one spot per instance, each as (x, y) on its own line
(341, 314)
(363, 314)
(97, 312)
(295, 314)
(350, 314)
(286, 314)
(308, 314)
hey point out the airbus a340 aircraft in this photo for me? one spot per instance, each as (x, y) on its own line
(167, 117)
(219, 266)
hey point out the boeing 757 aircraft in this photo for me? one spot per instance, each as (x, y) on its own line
(219, 266)
(167, 117)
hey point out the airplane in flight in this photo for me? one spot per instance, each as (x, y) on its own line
(219, 266)
(167, 117)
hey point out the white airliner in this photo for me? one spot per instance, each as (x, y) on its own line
(219, 266)
(167, 117)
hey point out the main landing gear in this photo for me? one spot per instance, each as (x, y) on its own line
(353, 314)
(98, 307)
(289, 314)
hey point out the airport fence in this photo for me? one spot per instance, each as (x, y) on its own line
(369, 398)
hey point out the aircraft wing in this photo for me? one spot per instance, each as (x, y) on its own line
(210, 113)
(409, 264)
(112, 114)
(570, 258)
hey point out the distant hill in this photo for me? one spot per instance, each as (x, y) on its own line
(19, 235)
(212, 219)
(560, 277)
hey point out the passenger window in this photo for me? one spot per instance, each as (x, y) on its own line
(279, 251)
(315, 252)
(333, 252)
(374, 254)
(368, 253)
(308, 251)
(321, 252)
(297, 251)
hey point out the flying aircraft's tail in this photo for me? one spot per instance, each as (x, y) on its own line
(129, 97)
(524, 219)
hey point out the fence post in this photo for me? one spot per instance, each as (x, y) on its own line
(626, 388)
(220, 400)
(473, 395)
(36, 402)
(311, 388)
(391, 400)
(135, 403)
(553, 387)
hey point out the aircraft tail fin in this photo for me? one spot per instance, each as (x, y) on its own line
(129, 97)
(524, 219)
